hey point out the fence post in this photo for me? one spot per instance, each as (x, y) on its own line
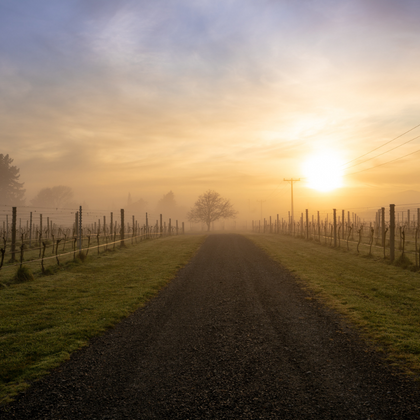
(13, 248)
(147, 226)
(383, 225)
(392, 232)
(176, 224)
(335, 227)
(40, 229)
(183, 230)
(161, 227)
(80, 230)
(30, 229)
(418, 218)
(122, 228)
(307, 224)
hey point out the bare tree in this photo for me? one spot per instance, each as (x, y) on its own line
(211, 207)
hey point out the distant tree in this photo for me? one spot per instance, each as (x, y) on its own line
(211, 207)
(138, 206)
(167, 203)
(11, 190)
(59, 196)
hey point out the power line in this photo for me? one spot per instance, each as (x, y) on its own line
(276, 188)
(380, 154)
(390, 161)
(376, 148)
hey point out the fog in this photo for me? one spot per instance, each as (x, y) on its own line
(145, 98)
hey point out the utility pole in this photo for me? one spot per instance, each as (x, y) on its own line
(291, 180)
(261, 201)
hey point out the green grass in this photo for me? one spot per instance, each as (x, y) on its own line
(383, 300)
(44, 320)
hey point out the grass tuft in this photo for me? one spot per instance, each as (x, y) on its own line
(403, 261)
(81, 256)
(23, 275)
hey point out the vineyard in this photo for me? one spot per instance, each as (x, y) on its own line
(42, 237)
(380, 233)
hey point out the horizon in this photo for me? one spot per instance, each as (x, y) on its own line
(118, 98)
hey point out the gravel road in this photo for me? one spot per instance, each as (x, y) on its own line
(231, 337)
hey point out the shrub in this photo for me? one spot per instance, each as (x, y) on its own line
(23, 274)
(403, 261)
(81, 256)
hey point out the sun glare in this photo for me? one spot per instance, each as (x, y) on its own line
(323, 171)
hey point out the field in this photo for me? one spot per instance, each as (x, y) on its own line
(381, 299)
(43, 321)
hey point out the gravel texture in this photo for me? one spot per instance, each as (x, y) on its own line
(231, 337)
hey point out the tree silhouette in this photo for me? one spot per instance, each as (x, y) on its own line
(11, 190)
(58, 196)
(211, 207)
(167, 203)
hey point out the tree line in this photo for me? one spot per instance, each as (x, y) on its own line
(208, 208)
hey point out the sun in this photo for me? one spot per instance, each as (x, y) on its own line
(324, 171)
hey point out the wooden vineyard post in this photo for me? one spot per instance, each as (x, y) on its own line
(383, 226)
(13, 247)
(319, 226)
(111, 224)
(22, 247)
(335, 227)
(30, 230)
(161, 226)
(56, 252)
(392, 232)
(417, 231)
(307, 224)
(122, 227)
(176, 227)
(44, 245)
(80, 231)
(342, 223)
(372, 232)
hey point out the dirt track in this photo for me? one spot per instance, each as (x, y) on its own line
(234, 337)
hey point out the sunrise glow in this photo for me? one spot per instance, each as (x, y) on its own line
(323, 171)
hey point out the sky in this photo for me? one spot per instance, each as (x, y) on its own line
(144, 97)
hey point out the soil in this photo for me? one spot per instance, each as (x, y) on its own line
(233, 336)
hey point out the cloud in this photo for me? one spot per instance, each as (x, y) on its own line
(225, 93)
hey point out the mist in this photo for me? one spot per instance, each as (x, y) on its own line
(112, 99)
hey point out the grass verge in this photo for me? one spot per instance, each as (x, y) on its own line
(43, 321)
(382, 299)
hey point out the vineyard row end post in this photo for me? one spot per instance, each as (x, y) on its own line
(392, 232)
